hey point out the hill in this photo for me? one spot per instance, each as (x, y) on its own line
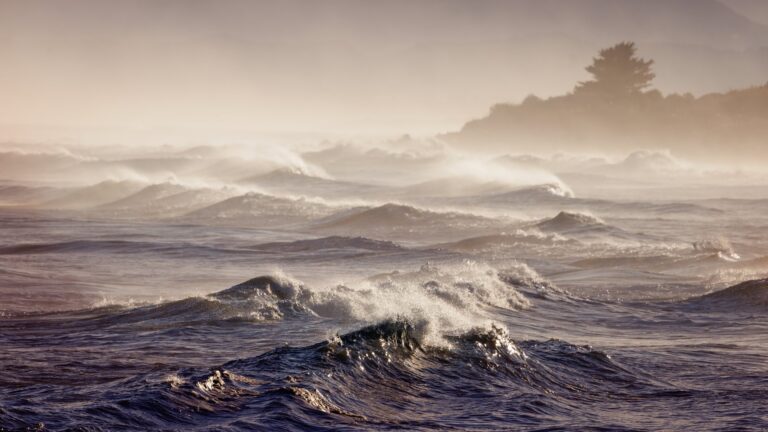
(601, 116)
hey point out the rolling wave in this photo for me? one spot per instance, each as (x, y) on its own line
(517, 238)
(746, 296)
(332, 242)
(567, 221)
(443, 300)
(259, 209)
(100, 194)
(181, 250)
(78, 246)
(380, 375)
(401, 215)
(405, 222)
(165, 200)
(293, 182)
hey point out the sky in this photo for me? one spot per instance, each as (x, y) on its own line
(191, 68)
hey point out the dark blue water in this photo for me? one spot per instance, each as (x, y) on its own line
(112, 325)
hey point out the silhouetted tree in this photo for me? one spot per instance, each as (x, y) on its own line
(617, 71)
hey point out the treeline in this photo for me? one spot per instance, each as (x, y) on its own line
(615, 112)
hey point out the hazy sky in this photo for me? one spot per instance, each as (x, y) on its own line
(418, 66)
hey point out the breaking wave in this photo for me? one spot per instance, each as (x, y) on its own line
(441, 300)
(720, 246)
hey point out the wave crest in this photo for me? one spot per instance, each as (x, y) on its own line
(442, 300)
(749, 295)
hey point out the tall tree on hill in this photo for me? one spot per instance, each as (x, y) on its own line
(616, 71)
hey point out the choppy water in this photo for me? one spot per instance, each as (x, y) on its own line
(361, 307)
(471, 340)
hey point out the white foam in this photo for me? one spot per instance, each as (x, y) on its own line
(439, 301)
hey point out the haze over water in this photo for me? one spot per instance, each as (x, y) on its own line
(340, 215)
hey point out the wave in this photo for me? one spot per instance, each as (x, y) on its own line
(167, 249)
(517, 238)
(255, 208)
(566, 221)
(77, 246)
(453, 187)
(287, 178)
(164, 200)
(446, 298)
(37, 166)
(264, 298)
(147, 194)
(660, 209)
(332, 242)
(720, 246)
(737, 204)
(406, 221)
(528, 281)
(387, 214)
(384, 375)
(544, 192)
(469, 190)
(100, 194)
(18, 195)
(545, 195)
(750, 296)
(591, 230)
(287, 181)
(443, 299)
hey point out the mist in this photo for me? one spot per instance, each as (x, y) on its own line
(90, 71)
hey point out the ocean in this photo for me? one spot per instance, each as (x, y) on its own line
(325, 303)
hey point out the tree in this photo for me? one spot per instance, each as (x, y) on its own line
(618, 72)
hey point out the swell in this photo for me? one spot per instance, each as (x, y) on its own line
(381, 375)
(749, 296)
(112, 246)
(405, 222)
(332, 242)
(446, 300)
